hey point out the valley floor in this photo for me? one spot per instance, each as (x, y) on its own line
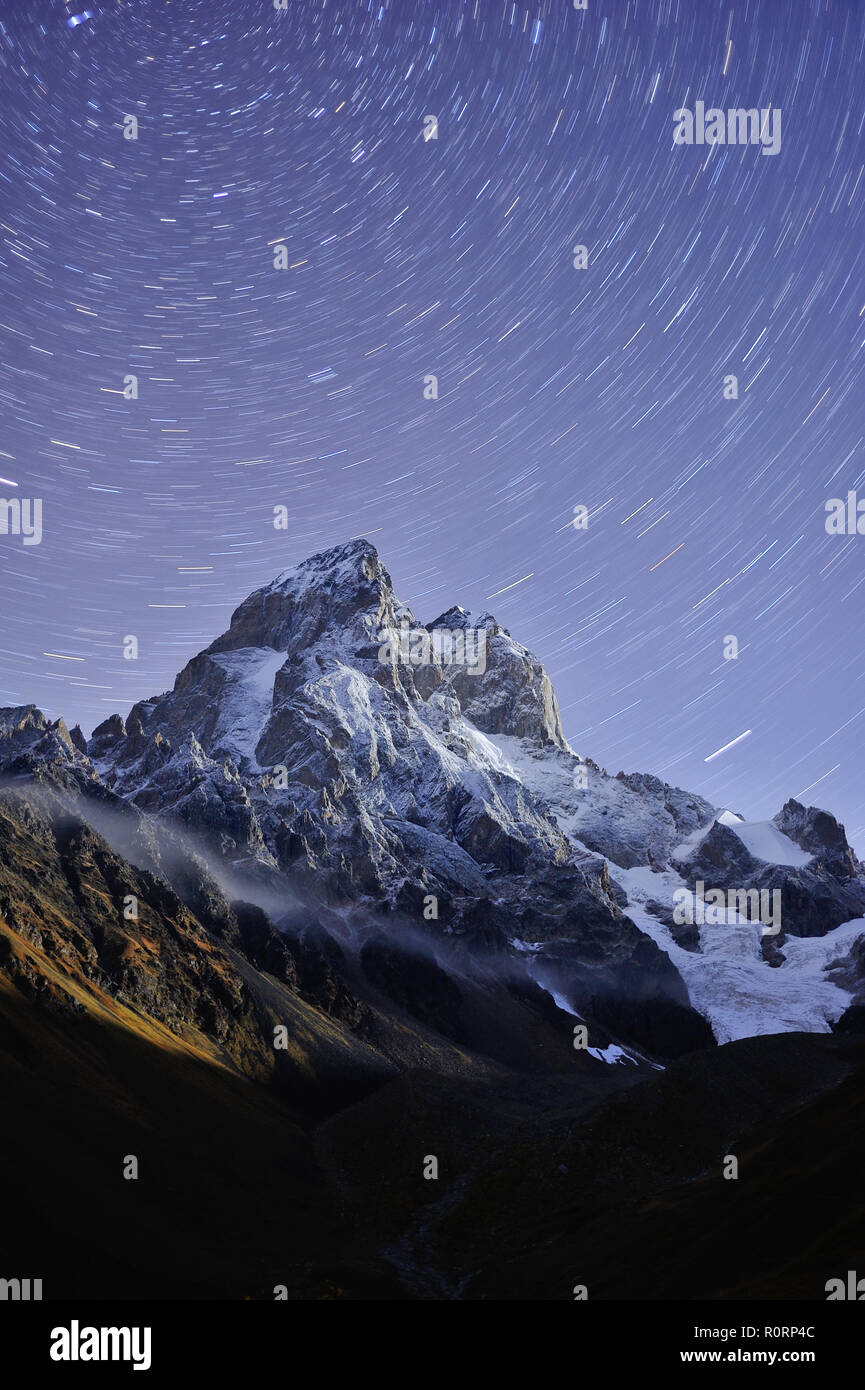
(543, 1183)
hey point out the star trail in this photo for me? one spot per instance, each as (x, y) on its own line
(238, 243)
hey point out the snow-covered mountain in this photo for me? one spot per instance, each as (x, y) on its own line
(326, 743)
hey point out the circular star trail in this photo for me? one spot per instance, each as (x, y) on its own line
(165, 386)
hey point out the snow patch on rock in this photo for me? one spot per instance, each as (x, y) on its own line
(728, 980)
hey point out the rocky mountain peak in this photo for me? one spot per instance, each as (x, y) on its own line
(820, 834)
(506, 690)
(31, 744)
(111, 728)
(346, 587)
(22, 719)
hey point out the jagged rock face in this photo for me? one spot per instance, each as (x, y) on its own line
(814, 899)
(207, 796)
(346, 590)
(644, 824)
(311, 970)
(512, 694)
(23, 723)
(820, 834)
(71, 909)
(293, 740)
(686, 812)
(32, 746)
(631, 820)
(84, 931)
(722, 855)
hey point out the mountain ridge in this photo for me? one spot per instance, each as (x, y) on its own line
(306, 742)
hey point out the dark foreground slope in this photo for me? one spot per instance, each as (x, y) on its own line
(537, 1192)
(629, 1198)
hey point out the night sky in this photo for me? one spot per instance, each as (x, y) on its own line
(409, 256)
